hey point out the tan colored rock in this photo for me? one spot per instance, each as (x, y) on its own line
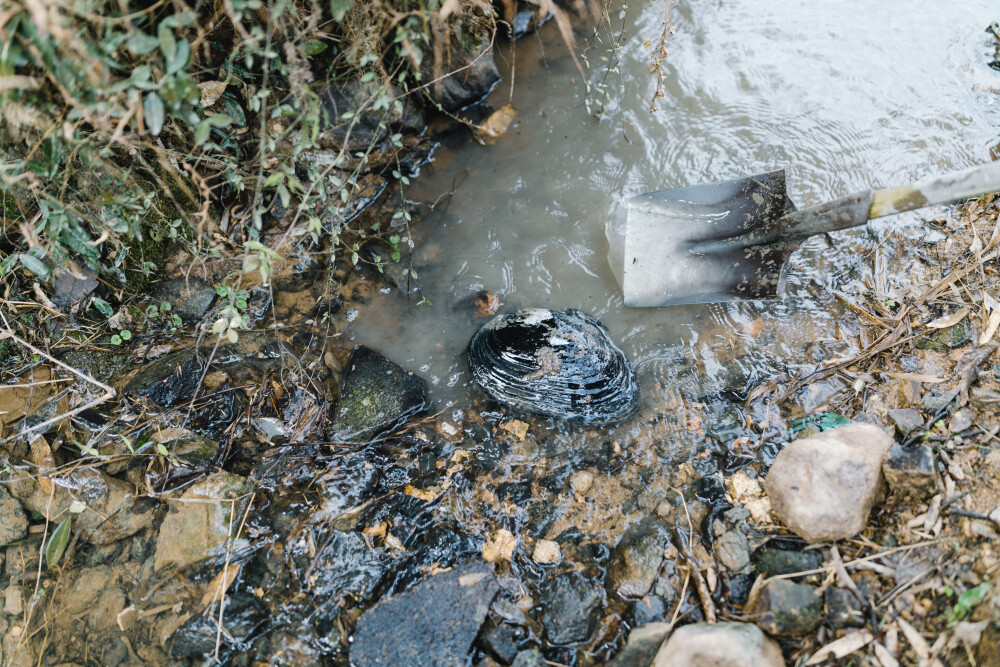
(823, 487)
(719, 645)
(581, 481)
(546, 552)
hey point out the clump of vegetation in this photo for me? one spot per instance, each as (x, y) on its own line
(125, 124)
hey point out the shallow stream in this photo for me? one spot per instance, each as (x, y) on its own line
(845, 97)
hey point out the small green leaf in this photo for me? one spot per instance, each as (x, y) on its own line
(234, 109)
(56, 547)
(339, 7)
(162, 449)
(219, 119)
(103, 307)
(272, 180)
(202, 133)
(140, 44)
(34, 265)
(116, 339)
(126, 334)
(312, 47)
(153, 113)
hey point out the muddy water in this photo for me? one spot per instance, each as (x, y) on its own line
(845, 96)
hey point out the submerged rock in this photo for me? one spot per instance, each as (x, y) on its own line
(434, 623)
(787, 608)
(636, 560)
(378, 396)
(775, 562)
(822, 487)
(188, 299)
(557, 364)
(571, 605)
(719, 645)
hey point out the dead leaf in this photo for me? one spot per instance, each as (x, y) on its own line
(916, 377)
(378, 530)
(992, 307)
(219, 585)
(494, 126)
(919, 644)
(884, 656)
(420, 494)
(211, 91)
(515, 427)
(41, 456)
(467, 580)
(842, 647)
(393, 542)
(949, 320)
(501, 547)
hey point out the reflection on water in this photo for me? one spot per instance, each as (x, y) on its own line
(845, 95)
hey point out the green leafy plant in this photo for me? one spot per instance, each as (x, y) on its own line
(967, 602)
(56, 546)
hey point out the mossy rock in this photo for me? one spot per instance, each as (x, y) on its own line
(947, 339)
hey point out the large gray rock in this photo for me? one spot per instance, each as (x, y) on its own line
(377, 397)
(822, 487)
(636, 559)
(189, 299)
(719, 645)
(470, 77)
(13, 522)
(433, 623)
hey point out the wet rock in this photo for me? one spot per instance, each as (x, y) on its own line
(378, 396)
(636, 559)
(433, 623)
(113, 511)
(13, 521)
(571, 605)
(906, 420)
(731, 546)
(912, 472)
(68, 288)
(843, 609)
(346, 565)
(647, 609)
(643, 644)
(529, 658)
(787, 608)
(719, 645)
(775, 562)
(546, 552)
(199, 522)
(189, 299)
(166, 380)
(471, 76)
(822, 487)
(243, 615)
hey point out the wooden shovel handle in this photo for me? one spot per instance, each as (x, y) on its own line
(937, 190)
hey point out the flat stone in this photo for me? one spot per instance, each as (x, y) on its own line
(546, 552)
(499, 640)
(571, 604)
(13, 520)
(198, 523)
(906, 420)
(433, 623)
(188, 299)
(912, 471)
(719, 645)
(378, 396)
(787, 608)
(774, 562)
(113, 512)
(13, 600)
(822, 487)
(650, 608)
(643, 644)
(636, 559)
(731, 546)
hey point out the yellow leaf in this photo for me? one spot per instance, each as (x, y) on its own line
(949, 320)
(420, 494)
(211, 91)
(497, 124)
(220, 584)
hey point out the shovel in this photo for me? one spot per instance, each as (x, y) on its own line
(731, 240)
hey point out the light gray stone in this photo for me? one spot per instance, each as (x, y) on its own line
(719, 645)
(822, 487)
(643, 644)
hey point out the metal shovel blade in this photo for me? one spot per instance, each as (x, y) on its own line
(676, 250)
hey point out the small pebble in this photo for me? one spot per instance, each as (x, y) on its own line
(546, 552)
(581, 481)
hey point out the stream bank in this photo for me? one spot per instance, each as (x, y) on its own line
(326, 515)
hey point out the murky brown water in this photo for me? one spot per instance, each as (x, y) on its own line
(845, 96)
